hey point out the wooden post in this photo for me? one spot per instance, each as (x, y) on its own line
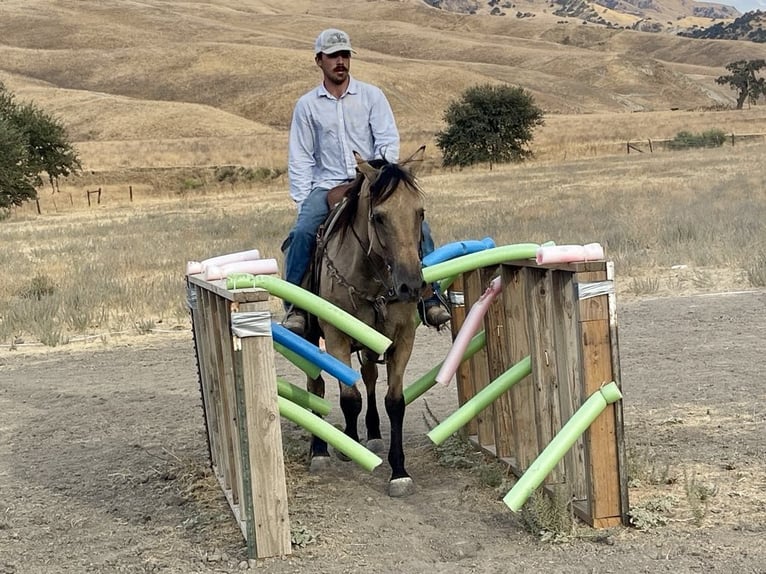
(239, 395)
(130, 191)
(271, 524)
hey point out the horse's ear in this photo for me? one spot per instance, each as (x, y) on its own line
(367, 170)
(414, 161)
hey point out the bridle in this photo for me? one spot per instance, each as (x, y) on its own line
(379, 301)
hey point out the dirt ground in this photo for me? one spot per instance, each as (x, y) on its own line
(103, 465)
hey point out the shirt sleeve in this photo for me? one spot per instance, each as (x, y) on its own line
(300, 161)
(384, 133)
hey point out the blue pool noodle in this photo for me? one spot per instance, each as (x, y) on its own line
(456, 249)
(320, 358)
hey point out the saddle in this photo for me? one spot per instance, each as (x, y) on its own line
(337, 193)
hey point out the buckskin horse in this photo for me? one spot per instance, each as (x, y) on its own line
(368, 263)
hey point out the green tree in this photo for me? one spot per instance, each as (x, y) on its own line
(743, 79)
(32, 142)
(489, 123)
(17, 184)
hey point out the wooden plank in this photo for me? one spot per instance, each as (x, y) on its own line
(604, 485)
(473, 288)
(567, 341)
(499, 361)
(542, 350)
(463, 373)
(622, 459)
(236, 295)
(208, 367)
(229, 395)
(247, 512)
(525, 446)
(268, 486)
(225, 417)
(193, 294)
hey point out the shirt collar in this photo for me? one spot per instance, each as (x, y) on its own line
(352, 88)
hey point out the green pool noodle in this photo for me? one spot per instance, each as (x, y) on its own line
(561, 443)
(480, 401)
(428, 380)
(365, 458)
(480, 259)
(302, 363)
(302, 397)
(314, 304)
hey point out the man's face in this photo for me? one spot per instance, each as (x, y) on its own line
(335, 67)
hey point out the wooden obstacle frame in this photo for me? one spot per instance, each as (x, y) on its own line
(564, 318)
(238, 383)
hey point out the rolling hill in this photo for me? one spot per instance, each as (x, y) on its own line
(154, 70)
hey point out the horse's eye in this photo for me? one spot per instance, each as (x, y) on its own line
(378, 218)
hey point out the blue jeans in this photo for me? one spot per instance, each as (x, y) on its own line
(301, 241)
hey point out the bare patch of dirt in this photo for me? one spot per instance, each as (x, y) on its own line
(103, 465)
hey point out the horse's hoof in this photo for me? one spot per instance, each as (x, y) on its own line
(399, 487)
(376, 445)
(319, 463)
(340, 456)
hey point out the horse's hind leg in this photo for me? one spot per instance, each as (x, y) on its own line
(372, 418)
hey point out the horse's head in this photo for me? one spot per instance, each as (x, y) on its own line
(395, 214)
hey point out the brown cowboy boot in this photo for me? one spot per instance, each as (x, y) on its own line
(295, 321)
(436, 315)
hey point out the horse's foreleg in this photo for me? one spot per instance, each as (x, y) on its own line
(400, 484)
(339, 346)
(372, 418)
(318, 446)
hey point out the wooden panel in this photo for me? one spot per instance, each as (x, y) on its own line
(269, 492)
(525, 447)
(499, 361)
(463, 373)
(473, 288)
(542, 351)
(567, 342)
(604, 486)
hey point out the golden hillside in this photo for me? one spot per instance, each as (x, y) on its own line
(136, 80)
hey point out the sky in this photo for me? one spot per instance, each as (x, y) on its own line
(744, 5)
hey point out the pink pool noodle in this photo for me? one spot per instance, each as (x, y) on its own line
(194, 267)
(471, 326)
(255, 266)
(569, 253)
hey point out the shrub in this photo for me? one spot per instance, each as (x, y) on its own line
(709, 138)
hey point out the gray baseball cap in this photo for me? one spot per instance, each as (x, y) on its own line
(331, 41)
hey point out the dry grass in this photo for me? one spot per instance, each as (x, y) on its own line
(672, 222)
(156, 94)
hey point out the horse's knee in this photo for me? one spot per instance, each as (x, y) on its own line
(351, 404)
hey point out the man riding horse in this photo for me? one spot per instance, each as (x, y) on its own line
(337, 118)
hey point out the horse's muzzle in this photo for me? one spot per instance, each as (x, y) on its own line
(409, 291)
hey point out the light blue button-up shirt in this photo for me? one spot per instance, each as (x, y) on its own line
(325, 131)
